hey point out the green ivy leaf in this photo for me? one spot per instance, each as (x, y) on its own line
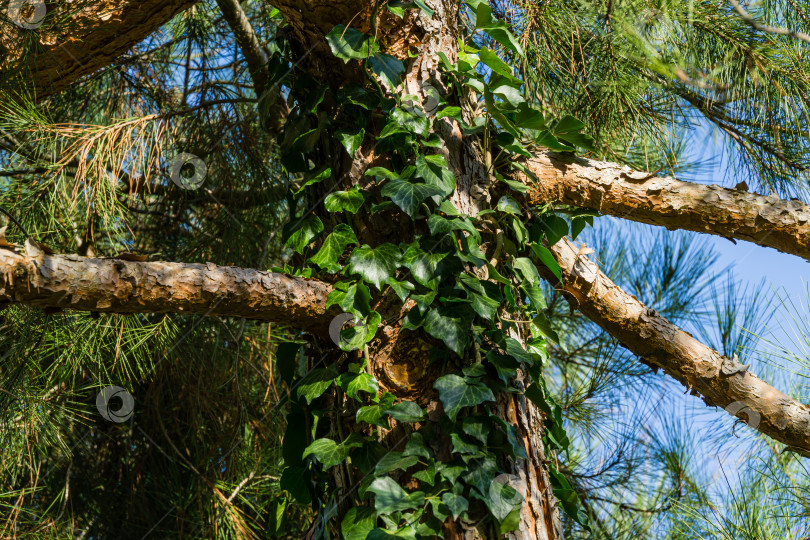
(535, 294)
(477, 426)
(568, 124)
(388, 68)
(449, 112)
(497, 29)
(375, 265)
(350, 44)
(352, 297)
(375, 414)
(554, 227)
(356, 336)
(441, 225)
(494, 274)
(456, 503)
(568, 497)
(406, 532)
(545, 138)
(354, 383)
(329, 453)
(515, 446)
(390, 497)
(333, 247)
(520, 187)
(401, 288)
(514, 348)
(409, 196)
(529, 118)
(544, 325)
(506, 366)
(427, 475)
(299, 233)
(424, 7)
(547, 258)
(344, 201)
(435, 171)
(406, 411)
(509, 94)
(527, 270)
(510, 523)
(381, 172)
(427, 268)
(316, 382)
(358, 523)
(498, 66)
(397, 7)
(480, 473)
(450, 472)
(393, 461)
(451, 324)
(315, 178)
(412, 121)
(350, 141)
(416, 446)
(509, 205)
(460, 446)
(456, 393)
(366, 457)
(503, 499)
(579, 139)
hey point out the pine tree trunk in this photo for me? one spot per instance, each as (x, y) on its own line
(399, 360)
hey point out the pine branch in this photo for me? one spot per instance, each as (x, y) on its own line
(720, 381)
(751, 21)
(269, 95)
(616, 190)
(124, 286)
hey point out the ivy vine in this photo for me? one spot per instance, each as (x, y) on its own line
(409, 492)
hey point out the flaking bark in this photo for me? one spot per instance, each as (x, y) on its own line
(119, 286)
(720, 381)
(616, 190)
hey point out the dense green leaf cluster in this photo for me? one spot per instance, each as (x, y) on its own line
(440, 270)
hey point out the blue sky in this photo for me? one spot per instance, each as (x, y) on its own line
(755, 267)
(751, 263)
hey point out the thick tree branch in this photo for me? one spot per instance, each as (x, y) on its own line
(616, 190)
(120, 286)
(89, 35)
(718, 380)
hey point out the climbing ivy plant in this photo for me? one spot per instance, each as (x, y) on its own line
(474, 304)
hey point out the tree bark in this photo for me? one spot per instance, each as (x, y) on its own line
(719, 381)
(95, 34)
(616, 190)
(122, 286)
